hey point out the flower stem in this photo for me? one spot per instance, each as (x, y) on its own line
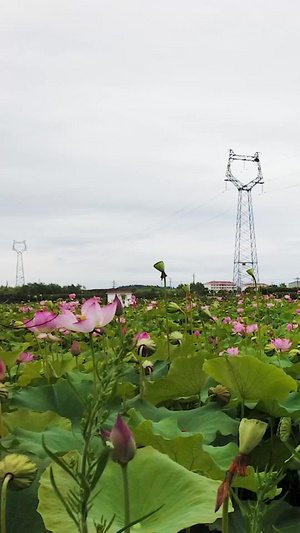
(167, 319)
(7, 479)
(225, 516)
(126, 498)
(1, 422)
(141, 371)
(94, 364)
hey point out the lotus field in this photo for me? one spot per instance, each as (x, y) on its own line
(160, 417)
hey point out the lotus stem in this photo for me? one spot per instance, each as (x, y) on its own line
(94, 364)
(7, 479)
(225, 516)
(167, 319)
(1, 422)
(126, 498)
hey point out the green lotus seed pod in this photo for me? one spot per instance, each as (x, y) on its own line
(220, 394)
(285, 428)
(173, 307)
(3, 392)
(22, 470)
(147, 346)
(160, 266)
(175, 337)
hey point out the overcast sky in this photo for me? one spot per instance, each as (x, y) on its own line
(116, 120)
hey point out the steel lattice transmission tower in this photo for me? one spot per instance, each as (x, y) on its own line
(245, 254)
(19, 247)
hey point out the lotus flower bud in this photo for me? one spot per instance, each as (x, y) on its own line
(2, 370)
(173, 307)
(205, 315)
(186, 289)
(3, 393)
(221, 394)
(120, 308)
(160, 266)
(251, 431)
(22, 470)
(175, 337)
(123, 442)
(75, 349)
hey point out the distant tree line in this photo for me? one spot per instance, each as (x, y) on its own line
(53, 291)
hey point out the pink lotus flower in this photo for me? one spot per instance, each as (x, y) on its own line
(291, 326)
(230, 351)
(143, 335)
(152, 305)
(133, 301)
(123, 442)
(72, 296)
(238, 327)
(75, 349)
(298, 311)
(240, 310)
(2, 370)
(25, 309)
(43, 323)
(282, 344)
(197, 333)
(71, 306)
(252, 328)
(227, 320)
(92, 317)
(25, 357)
(122, 320)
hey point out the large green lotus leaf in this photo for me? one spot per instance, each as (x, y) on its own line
(291, 406)
(189, 346)
(10, 357)
(185, 448)
(185, 378)
(57, 440)
(59, 398)
(34, 421)
(52, 370)
(30, 372)
(294, 370)
(208, 420)
(154, 480)
(21, 513)
(272, 452)
(250, 378)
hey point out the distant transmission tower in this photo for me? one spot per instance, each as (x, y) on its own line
(245, 254)
(19, 247)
